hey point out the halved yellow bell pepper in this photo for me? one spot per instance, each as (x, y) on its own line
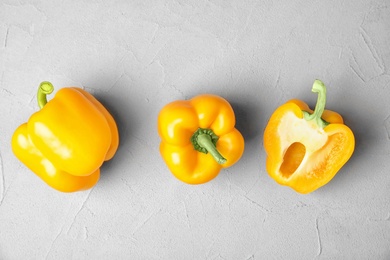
(305, 149)
(199, 138)
(67, 141)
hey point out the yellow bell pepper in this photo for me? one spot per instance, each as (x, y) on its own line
(305, 149)
(199, 138)
(67, 141)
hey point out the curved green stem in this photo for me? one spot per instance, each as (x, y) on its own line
(45, 88)
(204, 140)
(318, 87)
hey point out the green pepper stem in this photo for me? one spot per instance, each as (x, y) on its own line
(204, 140)
(318, 87)
(45, 88)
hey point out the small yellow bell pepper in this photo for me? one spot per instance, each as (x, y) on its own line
(67, 141)
(305, 149)
(199, 138)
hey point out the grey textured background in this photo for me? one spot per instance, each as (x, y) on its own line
(136, 56)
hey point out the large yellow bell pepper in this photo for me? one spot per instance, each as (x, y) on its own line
(199, 137)
(67, 141)
(306, 149)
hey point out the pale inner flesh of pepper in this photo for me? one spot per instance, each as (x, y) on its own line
(299, 140)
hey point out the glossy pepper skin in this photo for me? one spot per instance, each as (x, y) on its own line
(199, 138)
(305, 149)
(67, 141)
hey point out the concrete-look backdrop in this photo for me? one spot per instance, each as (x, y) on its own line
(137, 56)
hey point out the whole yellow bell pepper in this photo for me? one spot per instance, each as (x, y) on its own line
(67, 141)
(199, 138)
(306, 148)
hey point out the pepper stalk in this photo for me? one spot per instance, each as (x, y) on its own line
(45, 88)
(205, 141)
(316, 116)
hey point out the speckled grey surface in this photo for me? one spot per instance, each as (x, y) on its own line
(136, 56)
